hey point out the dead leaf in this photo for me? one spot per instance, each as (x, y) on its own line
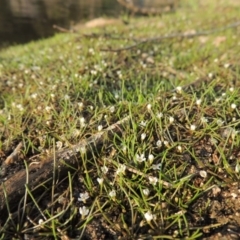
(101, 22)
(218, 40)
(203, 39)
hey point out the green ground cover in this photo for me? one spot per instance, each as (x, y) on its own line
(172, 173)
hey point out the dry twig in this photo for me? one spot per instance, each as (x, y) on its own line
(14, 155)
(66, 160)
(174, 35)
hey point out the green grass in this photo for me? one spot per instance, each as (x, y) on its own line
(177, 157)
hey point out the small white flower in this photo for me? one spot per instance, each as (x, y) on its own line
(83, 150)
(179, 89)
(140, 158)
(150, 158)
(100, 127)
(157, 166)
(198, 101)
(203, 174)
(48, 109)
(218, 99)
(143, 136)
(40, 221)
(237, 168)
(112, 194)
(83, 197)
(80, 105)
(116, 95)
(149, 106)
(175, 233)
(100, 181)
(66, 97)
(179, 148)
(124, 149)
(231, 89)
(120, 76)
(233, 105)
(166, 143)
(112, 109)
(83, 211)
(146, 192)
(159, 115)
(204, 120)
(171, 119)
(53, 87)
(234, 133)
(220, 122)
(159, 143)
(34, 95)
(153, 180)
(93, 72)
(59, 144)
(143, 123)
(20, 107)
(119, 73)
(149, 216)
(193, 127)
(210, 75)
(104, 63)
(226, 65)
(143, 65)
(121, 169)
(76, 133)
(91, 51)
(174, 97)
(82, 121)
(104, 169)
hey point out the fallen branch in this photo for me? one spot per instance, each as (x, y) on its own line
(174, 35)
(66, 160)
(62, 29)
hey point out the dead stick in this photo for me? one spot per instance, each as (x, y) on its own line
(14, 155)
(66, 160)
(174, 35)
(62, 29)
